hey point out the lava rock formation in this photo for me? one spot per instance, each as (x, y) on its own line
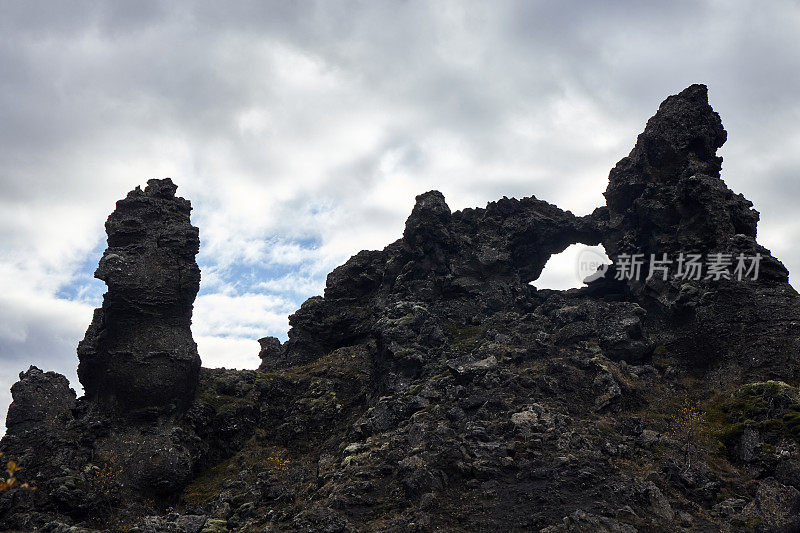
(432, 387)
(138, 354)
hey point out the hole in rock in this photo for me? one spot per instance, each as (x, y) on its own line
(570, 268)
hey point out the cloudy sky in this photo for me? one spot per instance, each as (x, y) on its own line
(301, 132)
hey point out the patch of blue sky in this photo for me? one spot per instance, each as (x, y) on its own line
(239, 277)
(83, 286)
(243, 278)
(292, 282)
(286, 268)
(309, 243)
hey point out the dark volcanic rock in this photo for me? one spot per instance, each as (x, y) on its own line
(269, 354)
(138, 353)
(433, 388)
(138, 363)
(489, 254)
(667, 195)
(40, 400)
(40, 440)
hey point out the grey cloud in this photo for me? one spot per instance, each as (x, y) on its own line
(46, 345)
(96, 96)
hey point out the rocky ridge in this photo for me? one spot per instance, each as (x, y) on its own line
(432, 387)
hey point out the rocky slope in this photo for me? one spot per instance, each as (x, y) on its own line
(432, 388)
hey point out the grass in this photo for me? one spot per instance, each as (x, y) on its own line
(222, 402)
(255, 457)
(662, 358)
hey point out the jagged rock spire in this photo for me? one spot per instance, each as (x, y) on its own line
(667, 196)
(138, 354)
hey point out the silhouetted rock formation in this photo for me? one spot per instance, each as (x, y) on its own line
(432, 387)
(667, 195)
(41, 399)
(489, 254)
(270, 353)
(138, 354)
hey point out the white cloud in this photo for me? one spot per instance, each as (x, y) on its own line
(243, 315)
(302, 131)
(293, 284)
(228, 352)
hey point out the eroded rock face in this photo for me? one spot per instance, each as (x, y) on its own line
(432, 386)
(41, 399)
(269, 354)
(138, 354)
(667, 195)
(487, 254)
(38, 436)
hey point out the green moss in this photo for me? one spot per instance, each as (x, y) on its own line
(759, 401)
(605, 427)
(770, 407)
(209, 484)
(309, 401)
(272, 377)
(405, 320)
(255, 457)
(214, 525)
(593, 346)
(223, 402)
(662, 358)
(464, 338)
(405, 353)
(345, 363)
(415, 388)
(327, 401)
(791, 422)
